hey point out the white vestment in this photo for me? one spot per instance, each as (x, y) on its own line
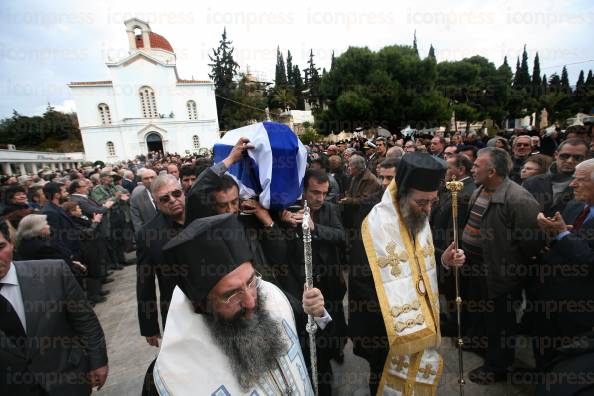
(191, 363)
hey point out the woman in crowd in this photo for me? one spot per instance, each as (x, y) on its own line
(535, 165)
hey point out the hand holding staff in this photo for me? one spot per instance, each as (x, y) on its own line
(454, 187)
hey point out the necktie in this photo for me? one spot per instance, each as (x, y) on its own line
(580, 219)
(10, 323)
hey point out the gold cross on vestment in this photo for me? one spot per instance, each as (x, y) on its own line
(428, 371)
(400, 362)
(393, 259)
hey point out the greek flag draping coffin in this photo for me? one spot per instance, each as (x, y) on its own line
(273, 170)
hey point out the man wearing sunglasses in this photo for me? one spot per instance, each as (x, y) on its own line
(521, 149)
(552, 189)
(170, 201)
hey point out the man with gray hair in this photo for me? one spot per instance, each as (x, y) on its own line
(169, 197)
(142, 205)
(566, 281)
(500, 239)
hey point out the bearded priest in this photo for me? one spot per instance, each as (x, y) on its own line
(393, 297)
(228, 331)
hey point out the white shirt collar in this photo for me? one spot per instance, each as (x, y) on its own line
(11, 277)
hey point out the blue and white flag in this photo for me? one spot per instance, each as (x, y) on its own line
(273, 170)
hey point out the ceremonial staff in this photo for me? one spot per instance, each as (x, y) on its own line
(311, 326)
(454, 187)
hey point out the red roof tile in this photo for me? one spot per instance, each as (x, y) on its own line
(157, 41)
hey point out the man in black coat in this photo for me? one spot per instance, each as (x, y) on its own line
(328, 237)
(151, 238)
(551, 189)
(63, 229)
(57, 350)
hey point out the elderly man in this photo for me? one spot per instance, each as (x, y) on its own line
(170, 200)
(394, 313)
(565, 288)
(552, 190)
(521, 149)
(142, 204)
(363, 182)
(501, 237)
(229, 332)
(438, 144)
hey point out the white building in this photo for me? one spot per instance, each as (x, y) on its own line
(145, 106)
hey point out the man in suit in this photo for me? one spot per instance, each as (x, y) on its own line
(567, 273)
(51, 342)
(129, 183)
(551, 189)
(79, 192)
(151, 238)
(62, 227)
(142, 205)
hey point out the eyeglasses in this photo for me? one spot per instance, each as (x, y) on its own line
(425, 202)
(523, 144)
(167, 197)
(237, 297)
(577, 157)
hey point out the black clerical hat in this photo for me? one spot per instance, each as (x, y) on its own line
(420, 171)
(204, 252)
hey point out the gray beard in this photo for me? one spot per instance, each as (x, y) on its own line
(414, 222)
(252, 345)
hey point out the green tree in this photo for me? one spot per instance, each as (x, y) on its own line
(298, 88)
(415, 43)
(565, 81)
(223, 70)
(536, 81)
(246, 103)
(280, 75)
(524, 79)
(580, 84)
(290, 69)
(431, 52)
(312, 82)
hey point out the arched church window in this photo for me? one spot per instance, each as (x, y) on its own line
(110, 149)
(104, 114)
(148, 103)
(195, 142)
(192, 110)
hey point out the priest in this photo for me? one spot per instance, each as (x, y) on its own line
(228, 331)
(394, 307)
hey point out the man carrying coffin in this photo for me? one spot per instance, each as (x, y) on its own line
(228, 331)
(394, 307)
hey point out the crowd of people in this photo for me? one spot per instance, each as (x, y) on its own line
(525, 258)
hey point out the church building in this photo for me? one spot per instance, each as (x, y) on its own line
(145, 106)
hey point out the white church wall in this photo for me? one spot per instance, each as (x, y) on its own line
(88, 98)
(95, 143)
(128, 80)
(204, 97)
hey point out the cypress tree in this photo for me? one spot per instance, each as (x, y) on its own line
(431, 52)
(290, 68)
(298, 87)
(332, 59)
(565, 81)
(545, 88)
(415, 43)
(536, 82)
(280, 76)
(516, 82)
(312, 81)
(524, 72)
(579, 85)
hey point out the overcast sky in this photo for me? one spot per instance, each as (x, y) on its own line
(44, 45)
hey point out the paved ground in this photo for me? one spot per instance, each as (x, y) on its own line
(130, 355)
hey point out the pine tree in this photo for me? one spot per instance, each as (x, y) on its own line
(223, 70)
(280, 76)
(298, 87)
(431, 52)
(565, 81)
(290, 69)
(312, 81)
(580, 84)
(536, 82)
(524, 78)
